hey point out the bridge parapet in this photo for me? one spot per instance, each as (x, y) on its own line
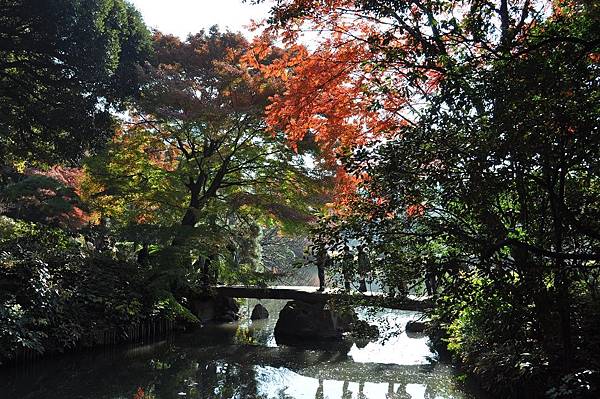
(311, 295)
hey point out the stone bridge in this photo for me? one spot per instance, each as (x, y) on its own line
(312, 295)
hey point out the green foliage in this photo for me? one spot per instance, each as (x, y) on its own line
(192, 177)
(57, 294)
(63, 65)
(494, 339)
(582, 384)
(168, 307)
(129, 185)
(197, 163)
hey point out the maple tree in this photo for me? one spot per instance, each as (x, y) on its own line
(462, 138)
(209, 109)
(199, 136)
(357, 72)
(196, 163)
(51, 197)
(366, 68)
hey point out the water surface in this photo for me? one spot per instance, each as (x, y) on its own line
(243, 360)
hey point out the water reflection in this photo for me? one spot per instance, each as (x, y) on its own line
(241, 361)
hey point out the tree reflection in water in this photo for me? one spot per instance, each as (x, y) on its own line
(235, 361)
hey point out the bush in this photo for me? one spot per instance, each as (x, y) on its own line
(492, 338)
(582, 384)
(56, 293)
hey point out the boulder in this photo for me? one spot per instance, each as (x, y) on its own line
(347, 319)
(310, 321)
(259, 312)
(203, 309)
(361, 330)
(215, 308)
(416, 326)
(226, 304)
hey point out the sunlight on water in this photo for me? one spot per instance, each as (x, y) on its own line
(242, 360)
(278, 383)
(397, 347)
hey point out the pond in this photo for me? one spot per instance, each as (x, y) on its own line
(243, 360)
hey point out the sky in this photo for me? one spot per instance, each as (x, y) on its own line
(182, 17)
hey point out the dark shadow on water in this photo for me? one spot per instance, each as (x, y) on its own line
(341, 347)
(226, 361)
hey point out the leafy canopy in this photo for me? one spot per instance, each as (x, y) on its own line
(64, 66)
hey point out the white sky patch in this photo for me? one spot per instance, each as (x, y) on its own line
(182, 17)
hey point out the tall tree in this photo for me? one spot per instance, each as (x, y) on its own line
(64, 66)
(209, 109)
(197, 150)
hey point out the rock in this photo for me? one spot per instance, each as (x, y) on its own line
(364, 331)
(346, 319)
(203, 309)
(340, 347)
(215, 308)
(259, 312)
(228, 303)
(416, 326)
(309, 321)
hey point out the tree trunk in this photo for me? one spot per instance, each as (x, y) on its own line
(561, 278)
(190, 218)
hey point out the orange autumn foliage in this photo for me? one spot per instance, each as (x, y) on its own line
(76, 217)
(334, 86)
(415, 210)
(139, 394)
(345, 193)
